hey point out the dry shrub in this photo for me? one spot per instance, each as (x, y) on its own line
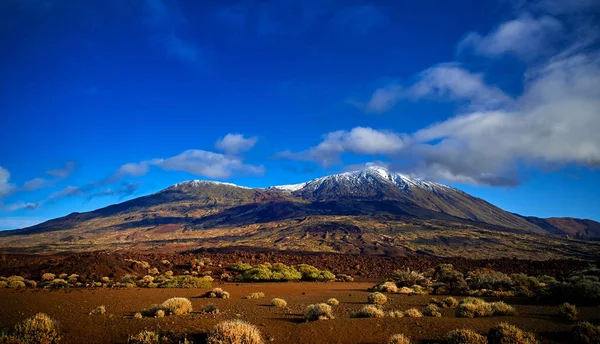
(320, 311)
(144, 337)
(568, 311)
(333, 302)
(217, 293)
(38, 329)
(413, 313)
(159, 313)
(398, 339)
(256, 295)
(16, 284)
(433, 311)
(177, 306)
(585, 333)
(377, 298)
(449, 302)
(502, 309)
(138, 315)
(277, 302)
(395, 314)
(100, 310)
(472, 307)
(48, 276)
(368, 311)
(505, 333)
(3, 284)
(211, 308)
(465, 336)
(405, 290)
(234, 332)
(388, 287)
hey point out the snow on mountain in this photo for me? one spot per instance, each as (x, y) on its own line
(197, 183)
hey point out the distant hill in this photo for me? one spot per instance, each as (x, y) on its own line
(372, 211)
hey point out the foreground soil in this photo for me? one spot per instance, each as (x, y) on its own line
(71, 307)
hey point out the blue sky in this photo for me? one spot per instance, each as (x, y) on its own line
(104, 101)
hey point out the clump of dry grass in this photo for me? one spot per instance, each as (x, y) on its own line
(159, 313)
(413, 313)
(333, 302)
(257, 295)
(568, 311)
(277, 302)
(48, 276)
(405, 290)
(38, 329)
(472, 307)
(217, 293)
(177, 306)
(465, 336)
(144, 337)
(138, 315)
(448, 302)
(235, 332)
(395, 314)
(504, 333)
(368, 311)
(388, 287)
(320, 311)
(100, 310)
(398, 339)
(211, 308)
(377, 298)
(433, 311)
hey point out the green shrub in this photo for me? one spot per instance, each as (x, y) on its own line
(449, 280)
(240, 267)
(234, 332)
(504, 333)
(465, 336)
(368, 311)
(185, 282)
(320, 311)
(310, 273)
(377, 298)
(38, 329)
(585, 333)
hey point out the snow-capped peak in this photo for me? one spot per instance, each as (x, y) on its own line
(196, 183)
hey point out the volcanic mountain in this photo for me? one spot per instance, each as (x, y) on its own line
(372, 211)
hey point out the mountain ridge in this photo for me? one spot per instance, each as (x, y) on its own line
(371, 211)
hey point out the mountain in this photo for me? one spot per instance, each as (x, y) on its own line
(372, 211)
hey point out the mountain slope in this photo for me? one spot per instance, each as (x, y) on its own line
(369, 212)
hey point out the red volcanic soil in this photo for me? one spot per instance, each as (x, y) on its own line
(94, 265)
(71, 307)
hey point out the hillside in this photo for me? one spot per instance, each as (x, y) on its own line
(371, 212)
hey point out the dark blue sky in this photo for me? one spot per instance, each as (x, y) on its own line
(102, 101)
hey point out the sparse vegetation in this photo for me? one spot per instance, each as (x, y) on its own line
(144, 337)
(413, 313)
(567, 311)
(177, 306)
(333, 302)
(465, 336)
(368, 311)
(234, 332)
(320, 311)
(505, 333)
(277, 302)
(100, 310)
(472, 307)
(399, 339)
(38, 329)
(216, 293)
(585, 333)
(257, 295)
(377, 298)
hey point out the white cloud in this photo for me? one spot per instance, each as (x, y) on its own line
(235, 143)
(359, 140)
(445, 81)
(69, 191)
(64, 171)
(35, 184)
(21, 206)
(208, 164)
(131, 170)
(525, 37)
(6, 188)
